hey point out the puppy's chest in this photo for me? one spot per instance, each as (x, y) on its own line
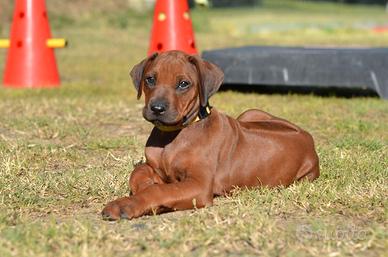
(164, 163)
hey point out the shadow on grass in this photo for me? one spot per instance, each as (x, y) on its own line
(285, 90)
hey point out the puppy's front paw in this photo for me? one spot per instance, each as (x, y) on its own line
(124, 208)
(111, 211)
(127, 212)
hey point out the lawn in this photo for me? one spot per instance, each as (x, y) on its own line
(64, 153)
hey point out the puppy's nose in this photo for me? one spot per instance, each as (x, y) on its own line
(158, 107)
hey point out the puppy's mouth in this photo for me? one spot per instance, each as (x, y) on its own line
(159, 122)
(167, 119)
(174, 123)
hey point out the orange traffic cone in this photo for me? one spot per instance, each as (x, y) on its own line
(31, 61)
(172, 28)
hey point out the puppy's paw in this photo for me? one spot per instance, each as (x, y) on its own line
(123, 208)
(126, 213)
(111, 211)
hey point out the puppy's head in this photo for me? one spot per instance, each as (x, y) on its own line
(175, 85)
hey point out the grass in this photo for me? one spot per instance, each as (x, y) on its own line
(64, 153)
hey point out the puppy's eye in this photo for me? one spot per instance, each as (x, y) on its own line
(183, 84)
(150, 81)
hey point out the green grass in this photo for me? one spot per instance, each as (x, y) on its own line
(64, 153)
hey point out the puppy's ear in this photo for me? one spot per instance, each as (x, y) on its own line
(137, 73)
(210, 78)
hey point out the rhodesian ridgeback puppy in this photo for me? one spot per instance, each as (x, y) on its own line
(194, 152)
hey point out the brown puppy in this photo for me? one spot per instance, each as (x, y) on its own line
(195, 153)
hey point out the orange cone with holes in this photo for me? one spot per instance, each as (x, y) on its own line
(172, 28)
(30, 60)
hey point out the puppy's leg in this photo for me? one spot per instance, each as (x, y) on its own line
(142, 177)
(175, 196)
(310, 170)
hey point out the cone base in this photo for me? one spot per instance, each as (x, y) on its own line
(12, 81)
(18, 86)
